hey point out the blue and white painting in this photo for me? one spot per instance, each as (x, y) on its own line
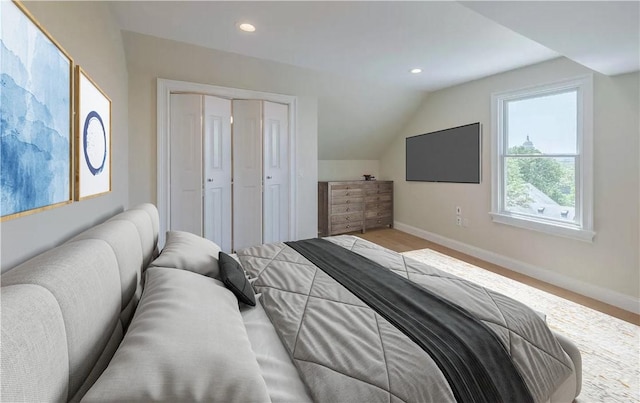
(35, 116)
(93, 138)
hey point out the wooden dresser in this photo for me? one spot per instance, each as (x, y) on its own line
(347, 206)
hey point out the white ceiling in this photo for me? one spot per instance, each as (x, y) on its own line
(346, 49)
(602, 35)
(452, 42)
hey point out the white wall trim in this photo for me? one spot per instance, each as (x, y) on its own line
(614, 298)
(553, 228)
(164, 89)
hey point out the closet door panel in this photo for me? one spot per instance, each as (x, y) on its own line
(186, 163)
(217, 171)
(247, 173)
(276, 172)
(272, 212)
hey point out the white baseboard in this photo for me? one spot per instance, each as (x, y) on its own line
(610, 297)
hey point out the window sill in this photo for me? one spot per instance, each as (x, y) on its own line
(567, 231)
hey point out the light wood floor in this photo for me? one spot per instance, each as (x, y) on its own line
(402, 242)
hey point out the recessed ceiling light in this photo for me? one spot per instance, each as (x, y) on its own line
(416, 71)
(246, 27)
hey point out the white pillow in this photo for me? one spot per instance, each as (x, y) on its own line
(186, 343)
(187, 251)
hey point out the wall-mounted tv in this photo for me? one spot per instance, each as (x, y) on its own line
(450, 155)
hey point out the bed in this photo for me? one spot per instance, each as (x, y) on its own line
(315, 340)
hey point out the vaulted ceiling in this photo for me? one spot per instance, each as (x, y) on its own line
(379, 42)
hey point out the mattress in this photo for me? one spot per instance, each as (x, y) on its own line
(343, 365)
(279, 373)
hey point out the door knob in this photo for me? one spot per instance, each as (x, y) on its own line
(209, 179)
(268, 177)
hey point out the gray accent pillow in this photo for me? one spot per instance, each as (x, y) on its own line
(187, 251)
(186, 343)
(233, 277)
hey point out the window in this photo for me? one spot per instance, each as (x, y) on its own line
(542, 158)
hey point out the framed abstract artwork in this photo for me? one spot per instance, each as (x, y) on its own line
(93, 138)
(36, 83)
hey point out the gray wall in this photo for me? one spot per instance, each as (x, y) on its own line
(149, 58)
(352, 170)
(607, 268)
(87, 31)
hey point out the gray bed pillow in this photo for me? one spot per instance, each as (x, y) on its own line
(186, 343)
(187, 251)
(233, 277)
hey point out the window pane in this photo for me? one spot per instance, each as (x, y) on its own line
(545, 124)
(543, 187)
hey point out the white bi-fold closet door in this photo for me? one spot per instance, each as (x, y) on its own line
(229, 182)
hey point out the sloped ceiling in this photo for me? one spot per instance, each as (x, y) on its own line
(369, 47)
(601, 35)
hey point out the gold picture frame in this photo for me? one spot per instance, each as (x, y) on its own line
(93, 138)
(37, 139)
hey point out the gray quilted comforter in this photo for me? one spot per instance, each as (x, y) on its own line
(345, 351)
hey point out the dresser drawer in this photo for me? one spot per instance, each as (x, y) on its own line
(346, 186)
(346, 193)
(347, 218)
(378, 222)
(377, 213)
(347, 200)
(346, 227)
(378, 188)
(346, 208)
(378, 206)
(378, 198)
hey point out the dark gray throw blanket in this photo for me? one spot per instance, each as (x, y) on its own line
(345, 351)
(470, 355)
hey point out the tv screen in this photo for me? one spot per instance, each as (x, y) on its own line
(451, 155)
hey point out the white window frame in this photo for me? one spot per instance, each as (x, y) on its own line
(582, 229)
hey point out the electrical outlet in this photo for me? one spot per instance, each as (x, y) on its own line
(459, 221)
(458, 210)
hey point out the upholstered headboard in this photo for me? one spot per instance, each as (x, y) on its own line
(65, 311)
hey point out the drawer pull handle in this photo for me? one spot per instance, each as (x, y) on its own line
(348, 218)
(348, 226)
(348, 201)
(379, 221)
(379, 214)
(347, 209)
(347, 194)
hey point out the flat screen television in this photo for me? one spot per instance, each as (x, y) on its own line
(450, 155)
